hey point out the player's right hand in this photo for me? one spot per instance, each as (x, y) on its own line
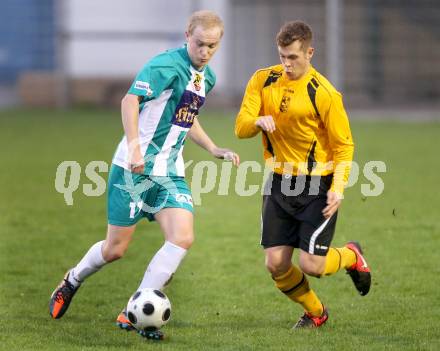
(266, 123)
(137, 163)
(137, 168)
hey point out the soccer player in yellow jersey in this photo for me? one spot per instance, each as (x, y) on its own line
(306, 136)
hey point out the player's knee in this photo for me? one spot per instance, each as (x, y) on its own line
(277, 267)
(111, 254)
(184, 240)
(311, 268)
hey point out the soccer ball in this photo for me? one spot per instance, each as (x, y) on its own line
(148, 309)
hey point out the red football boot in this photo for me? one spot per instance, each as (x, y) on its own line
(360, 272)
(310, 321)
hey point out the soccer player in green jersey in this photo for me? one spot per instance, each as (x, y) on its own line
(147, 175)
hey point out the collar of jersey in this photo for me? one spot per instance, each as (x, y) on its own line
(304, 78)
(184, 52)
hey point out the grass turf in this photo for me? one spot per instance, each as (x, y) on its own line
(222, 296)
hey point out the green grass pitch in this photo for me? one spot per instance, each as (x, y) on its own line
(222, 297)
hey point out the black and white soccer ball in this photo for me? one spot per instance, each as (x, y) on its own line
(148, 309)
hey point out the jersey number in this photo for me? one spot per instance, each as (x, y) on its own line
(133, 206)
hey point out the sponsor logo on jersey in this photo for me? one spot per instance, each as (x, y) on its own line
(143, 86)
(187, 109)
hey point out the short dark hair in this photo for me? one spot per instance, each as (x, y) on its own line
(293, 31)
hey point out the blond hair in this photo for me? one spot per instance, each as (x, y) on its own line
(205, 18)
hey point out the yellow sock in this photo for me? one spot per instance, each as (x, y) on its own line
(295, 285)
(338, 258)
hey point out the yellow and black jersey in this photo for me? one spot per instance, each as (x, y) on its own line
(312, 133)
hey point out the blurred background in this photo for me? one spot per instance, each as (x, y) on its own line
(383, 55)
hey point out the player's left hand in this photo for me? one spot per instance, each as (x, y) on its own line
(227, 155)
(333, 202)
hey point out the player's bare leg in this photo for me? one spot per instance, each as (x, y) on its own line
(177, 225)
(117, 241)
(313, 265)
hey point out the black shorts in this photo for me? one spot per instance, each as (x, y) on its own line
(292, 213)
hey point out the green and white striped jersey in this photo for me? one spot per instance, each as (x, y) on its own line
(172, 93)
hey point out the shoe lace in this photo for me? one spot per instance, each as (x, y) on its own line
(65, 292)
(303, 321)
